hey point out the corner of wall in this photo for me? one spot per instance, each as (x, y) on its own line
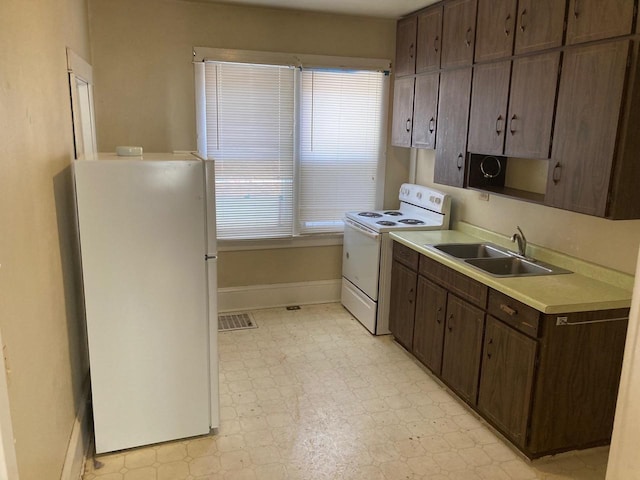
(80, 440)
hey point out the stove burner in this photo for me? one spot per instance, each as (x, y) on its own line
(393, 213)
(369, 214)
(386, 223)
(411, 221)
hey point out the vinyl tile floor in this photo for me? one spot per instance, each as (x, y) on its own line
(311, 395)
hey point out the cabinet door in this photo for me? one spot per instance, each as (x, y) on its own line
(451, 134)
(488, 115)
(593, 19)
(428, 331)
(458, 32)
(534, 81)
(495, 29)
(429, 45)
(540, 25)
(402, 305)
(425, 110)
(462, 348)
(586, 127)
(402, 119)
(406, 46)
(506, 381)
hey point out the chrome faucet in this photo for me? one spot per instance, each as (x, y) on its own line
(522, 242)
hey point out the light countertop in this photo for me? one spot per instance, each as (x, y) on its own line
(583, 290)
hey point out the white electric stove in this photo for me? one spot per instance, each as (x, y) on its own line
(368, 249)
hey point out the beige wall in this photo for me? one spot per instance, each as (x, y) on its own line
(605, 242)
(144, 90)
(39, 310)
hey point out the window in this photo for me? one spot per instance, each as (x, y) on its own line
(295, 147)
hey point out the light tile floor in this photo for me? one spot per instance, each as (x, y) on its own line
(311, 395)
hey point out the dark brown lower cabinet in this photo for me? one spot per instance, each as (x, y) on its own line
(428, 331)
(577, 380)
(462, 347)
(548, 382)
(506, 383)
(402, 303)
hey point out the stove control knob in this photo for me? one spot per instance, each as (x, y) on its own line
(419, 195)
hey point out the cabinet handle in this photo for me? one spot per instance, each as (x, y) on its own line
(489, 354)
(507, 28)
(408, 125)
(436, 43)
(522, 17)
(499, 122)
(410, 296)
(468, 37)
(576, 9)
(460, 161)
(512, 127)
(557, 173)
(450, 323)
(508, 310)
(490, 342)
(411, 50)
(432, 125)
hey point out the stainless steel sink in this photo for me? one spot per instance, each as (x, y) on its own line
(495, 260)
(512, 266)
(471, 250)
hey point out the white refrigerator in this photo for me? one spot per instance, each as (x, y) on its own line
(148, 249)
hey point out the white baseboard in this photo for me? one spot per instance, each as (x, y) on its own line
(254, 297)
(79, 442)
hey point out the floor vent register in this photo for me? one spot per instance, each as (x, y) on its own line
(235, 321)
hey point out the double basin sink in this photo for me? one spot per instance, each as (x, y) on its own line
(496, 260)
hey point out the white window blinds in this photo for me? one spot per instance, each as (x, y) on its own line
(294, 148)
(341, 145)
(249, 129)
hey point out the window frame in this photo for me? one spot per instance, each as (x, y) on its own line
(204, 54)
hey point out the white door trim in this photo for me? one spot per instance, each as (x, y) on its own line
(8, 461)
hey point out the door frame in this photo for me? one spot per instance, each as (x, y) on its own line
(8, 460)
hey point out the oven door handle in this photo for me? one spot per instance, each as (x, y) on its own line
(361, 229)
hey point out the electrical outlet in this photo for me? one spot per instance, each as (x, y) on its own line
(484, 196)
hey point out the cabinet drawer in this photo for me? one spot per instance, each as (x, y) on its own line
(458, 283)
(405, 255)
(520, 316)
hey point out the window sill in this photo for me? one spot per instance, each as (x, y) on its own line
(305, 241)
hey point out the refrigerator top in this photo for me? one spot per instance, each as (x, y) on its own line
(162, 157)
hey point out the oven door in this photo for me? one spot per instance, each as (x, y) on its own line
(361, 257)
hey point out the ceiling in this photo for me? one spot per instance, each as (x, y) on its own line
(370, 8)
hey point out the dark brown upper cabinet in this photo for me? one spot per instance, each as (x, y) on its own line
(458, 32)
(453, 119)
(534, 81)
(539, 25)
(429, 45)
(589, 20)
(496, 29)
(586, 127)
(406, 46)
(425, 110)
(402, 120)
(524, 128)
(488, 116)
